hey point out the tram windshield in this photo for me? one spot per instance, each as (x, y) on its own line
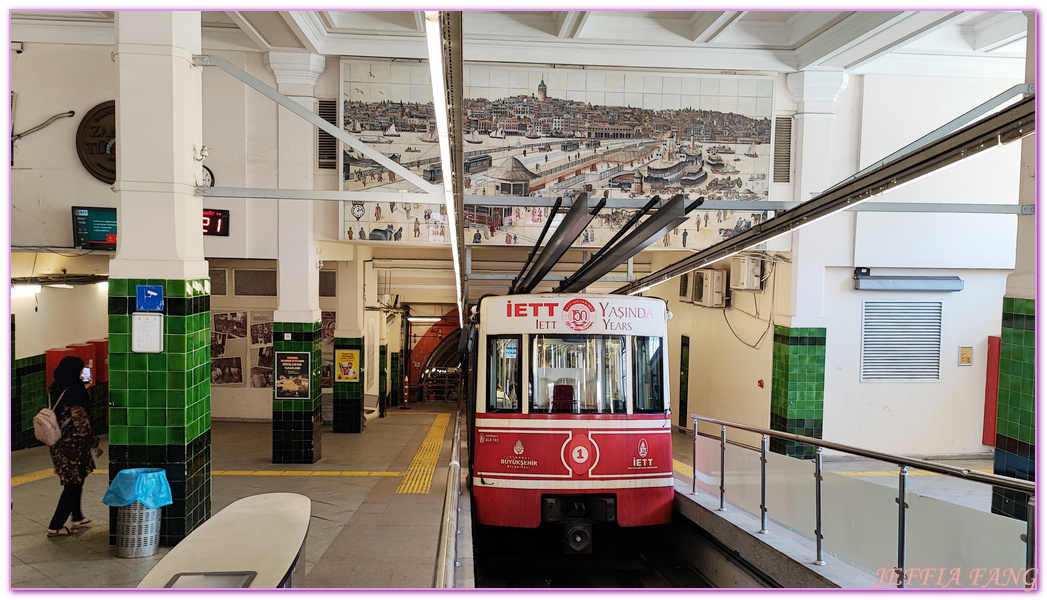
(647, 393)
(578, 374)
(503, 368)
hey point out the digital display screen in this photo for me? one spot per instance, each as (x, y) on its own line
(216, 222)
(94, 228)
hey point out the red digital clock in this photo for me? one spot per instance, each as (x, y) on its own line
(216, 222)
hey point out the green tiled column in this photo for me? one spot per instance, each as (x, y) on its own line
(383, 385)
(296, 422)
(28, 394)
(1015, 454)
(797, 387)
(396, 395)
(160, 403)
(348, 397)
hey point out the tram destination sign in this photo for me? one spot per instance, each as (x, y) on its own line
(569, 314)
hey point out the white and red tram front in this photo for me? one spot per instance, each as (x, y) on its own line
(572, 413)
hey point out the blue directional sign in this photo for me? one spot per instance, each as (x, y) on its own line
(150, 298)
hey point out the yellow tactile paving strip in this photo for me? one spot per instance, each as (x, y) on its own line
(419, 476)
(45, 473)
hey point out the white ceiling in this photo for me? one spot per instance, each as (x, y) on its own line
(974, 43)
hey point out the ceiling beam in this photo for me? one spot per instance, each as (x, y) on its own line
(706, 26)
(1003, 29)
(569, 23)
(914, 27)
(419, 20)
(249, 30)
(308, 27)
(856, 28)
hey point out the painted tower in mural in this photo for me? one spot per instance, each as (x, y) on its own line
(542, 91)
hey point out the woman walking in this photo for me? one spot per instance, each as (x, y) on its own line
(71, 455)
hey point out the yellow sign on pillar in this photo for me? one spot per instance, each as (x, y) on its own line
(347, 366)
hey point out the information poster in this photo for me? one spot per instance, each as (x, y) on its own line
(292, 375)
(348, 366)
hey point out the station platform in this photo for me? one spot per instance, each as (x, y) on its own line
(376, 498)
(376, 503)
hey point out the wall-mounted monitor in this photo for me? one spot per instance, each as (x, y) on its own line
(94, 228)
(216, 222)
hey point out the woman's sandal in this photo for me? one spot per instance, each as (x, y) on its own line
(81, 522)
(61, 531)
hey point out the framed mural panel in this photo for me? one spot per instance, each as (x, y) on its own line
(541, 131)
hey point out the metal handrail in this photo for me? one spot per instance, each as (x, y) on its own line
(903, 462)
(447, 543)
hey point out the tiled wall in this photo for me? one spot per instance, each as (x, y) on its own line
(396, 394)
(296, 422)
(383, 385)
(348, 397)
(797, 387)
(160, 413)
(28, 394)
(1016, 410)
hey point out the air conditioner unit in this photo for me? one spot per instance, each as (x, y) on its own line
(746, 274)
(708, 288)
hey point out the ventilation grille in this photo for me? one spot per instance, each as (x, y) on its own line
(783, 144)
(901, 341)
(219, 280)
(328, 284)
(326, 145)
(684, 289)
(255, 282)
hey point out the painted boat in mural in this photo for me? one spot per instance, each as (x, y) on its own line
(392, 132)
(751, 152)
(498, 135)
(430, 136)
(532, 134)
(473, 137)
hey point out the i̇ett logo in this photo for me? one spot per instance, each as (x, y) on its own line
(579, 314)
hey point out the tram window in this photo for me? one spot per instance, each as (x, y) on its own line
(578, 374)
(503, 373)
(647, 394)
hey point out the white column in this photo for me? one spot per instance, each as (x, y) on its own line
(351, 294)
(815, 93)
(158, 134)
(298, 264)
(1021, 283)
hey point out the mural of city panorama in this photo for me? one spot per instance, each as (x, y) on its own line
(551, 132)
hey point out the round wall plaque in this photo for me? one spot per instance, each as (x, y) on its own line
(96, 142)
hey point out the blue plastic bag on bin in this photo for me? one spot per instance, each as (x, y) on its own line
(148, 486)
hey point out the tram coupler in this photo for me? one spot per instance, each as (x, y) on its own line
(578, 537)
